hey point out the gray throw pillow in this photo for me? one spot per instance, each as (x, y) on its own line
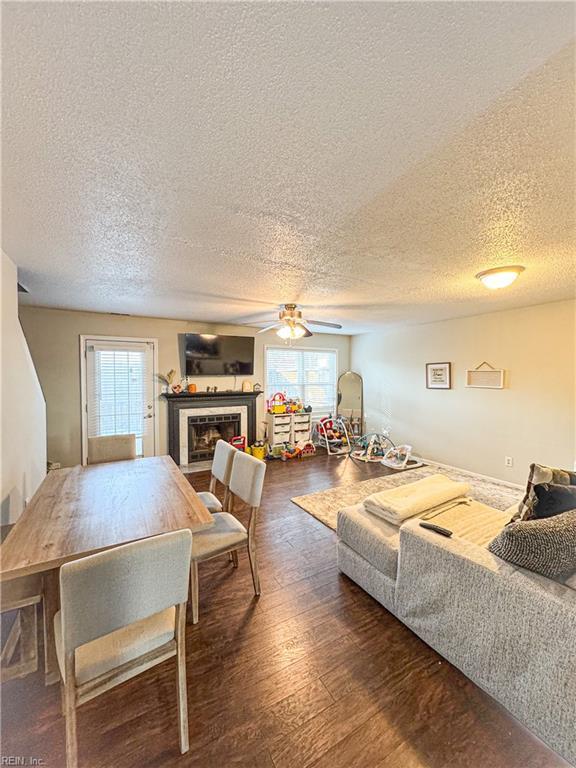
(540, 474)
(547, 546)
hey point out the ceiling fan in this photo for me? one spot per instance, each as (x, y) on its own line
(291, 325)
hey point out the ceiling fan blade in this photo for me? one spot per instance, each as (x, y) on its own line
(268, 328)
(308, 332)
(321, 322)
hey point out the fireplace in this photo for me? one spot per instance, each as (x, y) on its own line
(196, 420)
(205, 431)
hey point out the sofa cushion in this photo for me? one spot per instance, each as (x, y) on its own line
(378, 541)
(546, 546)
(370, 536)
(538, 475)
(475, 522)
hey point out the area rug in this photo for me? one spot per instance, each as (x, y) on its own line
(324, 505)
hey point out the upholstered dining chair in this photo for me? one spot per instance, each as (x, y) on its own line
(111, 448)
(221, 471)
(122, 612)
(228, 534)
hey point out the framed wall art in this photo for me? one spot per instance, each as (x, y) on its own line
(438, 375)
(485, 376)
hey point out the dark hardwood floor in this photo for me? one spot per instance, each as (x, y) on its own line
(314, 673)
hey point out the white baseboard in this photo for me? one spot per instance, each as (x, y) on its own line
(516, 486)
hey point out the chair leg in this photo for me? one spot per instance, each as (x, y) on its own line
(234, 557)
(254, 566)
(181, 677)
(194, 590)
(70, 714)
(50, 605)
(63, 699)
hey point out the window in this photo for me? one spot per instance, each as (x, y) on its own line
(118, 387)
(308, 374)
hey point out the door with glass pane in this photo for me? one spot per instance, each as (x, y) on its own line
(119, 391)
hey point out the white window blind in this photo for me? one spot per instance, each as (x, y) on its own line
(119, 391)
(309, 374)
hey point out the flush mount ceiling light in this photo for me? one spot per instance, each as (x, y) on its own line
(499, 277)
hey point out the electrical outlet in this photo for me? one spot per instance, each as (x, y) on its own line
(508, 461)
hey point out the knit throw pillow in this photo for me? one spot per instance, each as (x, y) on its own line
(539, 474)
(547, 546)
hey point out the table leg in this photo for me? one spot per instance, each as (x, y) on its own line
(51, 605)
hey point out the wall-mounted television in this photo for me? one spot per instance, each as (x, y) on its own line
(206, 354)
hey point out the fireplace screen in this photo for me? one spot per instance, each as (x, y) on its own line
(205, 431)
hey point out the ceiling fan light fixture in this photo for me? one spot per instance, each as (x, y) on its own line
(291, 331)
(499, 277)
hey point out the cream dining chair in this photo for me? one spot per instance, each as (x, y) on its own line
(111, 448)
(122, 612)
(228, 534)
(221, 471)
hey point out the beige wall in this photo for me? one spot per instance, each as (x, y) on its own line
(23, 414)
(532, 419)
(53, 336)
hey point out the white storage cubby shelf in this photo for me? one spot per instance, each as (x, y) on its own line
(288, 428)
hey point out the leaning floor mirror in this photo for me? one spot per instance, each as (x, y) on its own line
(351, 400)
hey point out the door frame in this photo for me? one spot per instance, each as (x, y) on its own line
(83, 339)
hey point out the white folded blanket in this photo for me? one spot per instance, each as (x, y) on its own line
(398, 504)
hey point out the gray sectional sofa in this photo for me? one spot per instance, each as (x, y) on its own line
(511, 631)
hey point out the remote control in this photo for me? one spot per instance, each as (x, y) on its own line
(437, 529)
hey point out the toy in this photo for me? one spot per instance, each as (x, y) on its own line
(399, 457)
(275, 451)
(333, 435)
(294, 406)
(277, 403)
(258, 450)
(372, 447)
(290, 452)
(280, 403)
(238, 442)
(308, 449)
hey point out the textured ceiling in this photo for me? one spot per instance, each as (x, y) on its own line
(211, 160)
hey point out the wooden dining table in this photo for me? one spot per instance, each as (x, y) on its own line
(82, 510)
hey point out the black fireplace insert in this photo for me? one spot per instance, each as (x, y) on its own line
(205, 431)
